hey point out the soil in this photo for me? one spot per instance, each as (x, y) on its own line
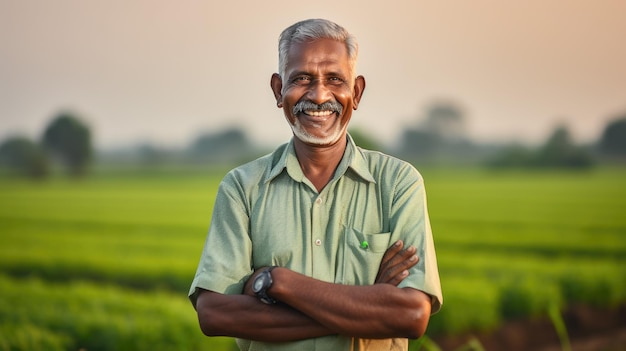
(589, 329)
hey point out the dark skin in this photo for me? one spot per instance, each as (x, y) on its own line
(246, 317)
(319, 71)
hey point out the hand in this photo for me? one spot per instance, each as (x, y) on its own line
(396, 263)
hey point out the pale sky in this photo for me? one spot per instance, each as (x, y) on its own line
(165, 71)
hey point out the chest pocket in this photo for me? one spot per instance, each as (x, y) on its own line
(362, 253)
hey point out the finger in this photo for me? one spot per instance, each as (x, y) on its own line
(400, 257)
(392, 251)
(398, 271)
(402, 272)
(395, 280)
(393, 270)
(392, 257)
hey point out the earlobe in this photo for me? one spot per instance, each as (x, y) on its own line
(359, 87)
(276, 83)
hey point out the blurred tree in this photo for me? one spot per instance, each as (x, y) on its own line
(24, 156)
(227, 146)
(362, 139)
(68, 139)
(512, 156)
(558, 146)
(419, 144)
(445, 119)
(439, 138)
(613, 140)
(150, 154)
(560, 151)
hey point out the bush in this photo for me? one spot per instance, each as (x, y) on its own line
(69, 139)
(525, 297)
(593, 288)
(613, 141)
(15, 337)
(93, 317)
(469, 304)
(24, 156)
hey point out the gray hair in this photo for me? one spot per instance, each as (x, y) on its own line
(312, 29)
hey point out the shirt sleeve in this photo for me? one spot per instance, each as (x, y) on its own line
(409, 221)
(225, 263)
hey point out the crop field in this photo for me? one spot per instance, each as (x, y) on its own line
(104, 263)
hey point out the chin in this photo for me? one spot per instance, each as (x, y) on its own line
(310, 139)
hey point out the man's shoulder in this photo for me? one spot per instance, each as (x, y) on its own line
(381, 164)
(256, 170)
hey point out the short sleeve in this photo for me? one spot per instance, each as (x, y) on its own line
(225, 263)
(410, 222)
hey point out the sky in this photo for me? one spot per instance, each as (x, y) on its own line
(164, 72)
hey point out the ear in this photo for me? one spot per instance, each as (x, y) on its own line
(276, 83)
(359, 87)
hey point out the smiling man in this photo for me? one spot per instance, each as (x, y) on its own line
(318, 82)
(320, 245)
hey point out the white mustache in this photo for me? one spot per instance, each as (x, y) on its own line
(303, 105)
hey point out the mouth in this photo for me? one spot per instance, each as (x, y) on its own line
(317, 112)
(316, 118)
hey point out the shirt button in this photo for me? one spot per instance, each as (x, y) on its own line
(319, 200)
(318, 242)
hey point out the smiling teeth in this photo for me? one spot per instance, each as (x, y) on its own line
(319, 113)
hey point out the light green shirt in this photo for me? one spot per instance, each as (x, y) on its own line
(267, 213)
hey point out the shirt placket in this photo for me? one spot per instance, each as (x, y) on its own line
(317, 237)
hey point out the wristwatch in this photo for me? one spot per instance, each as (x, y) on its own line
(261, 283)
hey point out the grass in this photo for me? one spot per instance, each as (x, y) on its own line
(100, 254)
(515, 242)
(39, 315)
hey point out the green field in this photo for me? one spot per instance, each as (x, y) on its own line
(104, 263)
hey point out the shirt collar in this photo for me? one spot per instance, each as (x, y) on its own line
(352, 159)
(358, 164)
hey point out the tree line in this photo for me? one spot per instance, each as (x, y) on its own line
(65, 141)
(439, 138)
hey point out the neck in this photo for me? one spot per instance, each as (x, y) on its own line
(318, 163)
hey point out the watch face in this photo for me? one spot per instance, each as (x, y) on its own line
(258, 283)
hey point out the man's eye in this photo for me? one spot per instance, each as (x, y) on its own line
(302, 80)
(335, 80)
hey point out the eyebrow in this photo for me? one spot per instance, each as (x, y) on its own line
(306, 73)
(299, 73)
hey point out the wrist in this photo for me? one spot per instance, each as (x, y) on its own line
(262, 284)
(274, 288)
(284, 280)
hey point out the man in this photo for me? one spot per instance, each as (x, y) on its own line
(320, 245)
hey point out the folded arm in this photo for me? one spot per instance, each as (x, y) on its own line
(246, 317)
(311, 308)
(375, 311)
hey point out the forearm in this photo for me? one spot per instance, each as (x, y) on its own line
(375, 311)
(246, 317)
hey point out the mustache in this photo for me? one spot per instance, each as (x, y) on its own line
(303, 105)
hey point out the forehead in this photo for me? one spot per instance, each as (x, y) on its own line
(327, 53)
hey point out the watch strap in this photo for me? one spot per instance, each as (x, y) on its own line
(262, 294)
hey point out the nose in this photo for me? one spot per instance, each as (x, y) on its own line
(318, 92)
